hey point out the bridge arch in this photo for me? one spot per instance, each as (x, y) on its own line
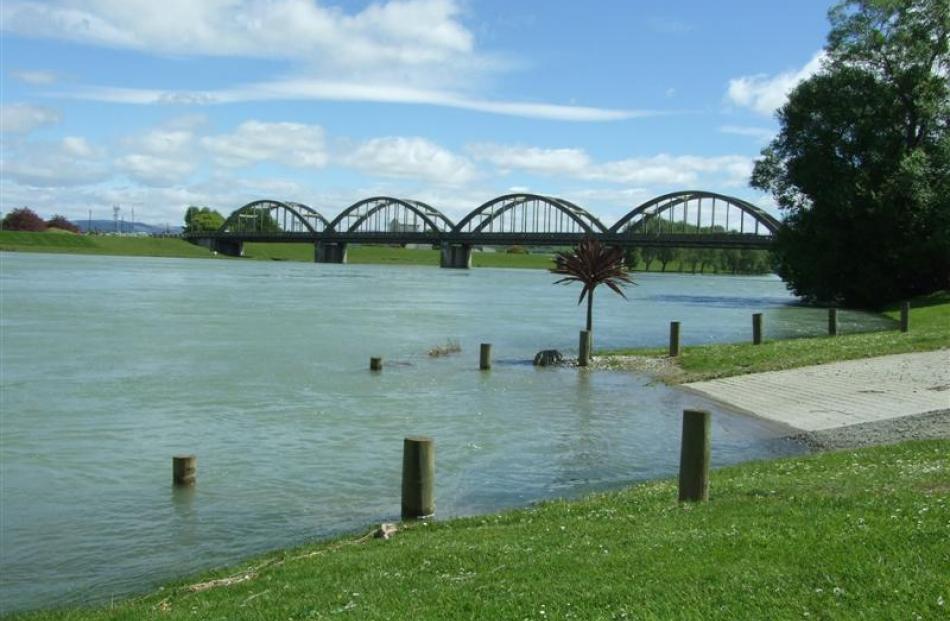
(283, 216)
(650, 215)
(529, 213)
(385, 214)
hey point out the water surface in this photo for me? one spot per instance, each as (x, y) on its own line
(111, 365)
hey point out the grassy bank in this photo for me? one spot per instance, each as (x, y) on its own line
(929, 330)
(66, 243)
(851, 535)
(15, 241)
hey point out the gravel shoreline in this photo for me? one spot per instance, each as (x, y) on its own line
(934, 424)
(927, 426)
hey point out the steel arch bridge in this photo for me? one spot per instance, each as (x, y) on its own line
(687, 218)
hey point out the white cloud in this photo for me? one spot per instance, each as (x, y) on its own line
(380, 92)
(34, 77)
(164, 156)
(415, 158)
(292, 144)
(762, 134)
(68, 162)
(22, 118)
(532, 159)
(662, 169)
(396, 35)
(766, 94)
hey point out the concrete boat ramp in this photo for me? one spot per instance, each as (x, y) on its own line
(841, 394)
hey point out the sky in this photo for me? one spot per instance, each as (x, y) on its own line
(155, 106)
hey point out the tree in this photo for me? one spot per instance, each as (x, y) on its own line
(632, 258)
(592, 263)
(202, 219)
(23, 219)
(666, 254)
(60, 222)
(649, 256)
(861, 165)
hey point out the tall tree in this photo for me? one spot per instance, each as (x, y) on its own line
(592, 264)
(202, 219)
(861, 165)
(23, 219)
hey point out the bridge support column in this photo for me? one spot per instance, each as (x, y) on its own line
(228, 247)
(458, 256)
(329, 252)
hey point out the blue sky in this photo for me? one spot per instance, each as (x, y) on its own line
(159, 105)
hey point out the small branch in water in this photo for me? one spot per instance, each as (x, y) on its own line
(451, 346)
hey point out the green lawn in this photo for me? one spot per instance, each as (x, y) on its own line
(849, 535)
(16, 241)
(929, 330)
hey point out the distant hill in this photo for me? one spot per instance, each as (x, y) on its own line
(109, 226)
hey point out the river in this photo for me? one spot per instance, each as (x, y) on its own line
(111, 365)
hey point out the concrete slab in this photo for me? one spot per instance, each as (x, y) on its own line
(839, 394)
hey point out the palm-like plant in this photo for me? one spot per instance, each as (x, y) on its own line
(592, 263)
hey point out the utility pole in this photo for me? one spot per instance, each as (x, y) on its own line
(133, 220)
(115, 217)
(89, 228)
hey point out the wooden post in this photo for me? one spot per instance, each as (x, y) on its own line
(757, 329)
(184, 470)
(832, 322)
(484, 357)
(375, 364)
(905, 316)
(694, 456)
(583, 354)
(674, 339)
(418, 476)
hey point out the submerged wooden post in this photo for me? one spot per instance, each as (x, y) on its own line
(375, 364)
(905, 316)
(694, 456)
(757, 329)
(583, 349)
(674, 339)
(484, 357)
(832, 322)
(184, 470)
(418, 476)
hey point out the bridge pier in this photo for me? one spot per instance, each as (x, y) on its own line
(228, 247)
(329, 252)
(456, 256)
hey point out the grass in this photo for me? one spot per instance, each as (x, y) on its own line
(929, 330)
(849, 535)
(64, 242)
(16, 241)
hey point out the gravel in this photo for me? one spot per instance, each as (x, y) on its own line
(927, 426)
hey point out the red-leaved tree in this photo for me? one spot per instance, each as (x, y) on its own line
(23, 219)
(60, 222)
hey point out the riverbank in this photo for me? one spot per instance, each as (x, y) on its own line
(833, 536)
(66, 243)
(929, 331)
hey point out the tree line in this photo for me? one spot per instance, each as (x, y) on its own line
(25, 219)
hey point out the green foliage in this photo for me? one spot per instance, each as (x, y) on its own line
(23, 219)
(100, 244)
(854, 534)
(592, 264)
(202, 219)
(861, 165)
(929, 321)
(61, 223)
